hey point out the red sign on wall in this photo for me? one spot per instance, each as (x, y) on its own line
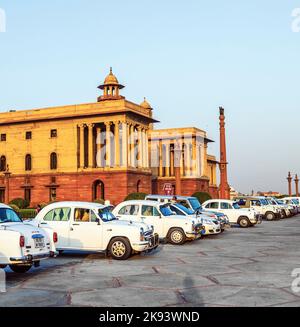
(168, 188)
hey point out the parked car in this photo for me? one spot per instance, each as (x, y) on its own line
(288, 210)
(22, 245)
(283, 210)
(236, 215)
(292, 203)
(92, 227)
(191, 203)
(211, 226)
(173, 228)
(267, 211)
(272, 211)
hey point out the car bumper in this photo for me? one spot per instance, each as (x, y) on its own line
(146, 245)
(212, 230)
(31, 258)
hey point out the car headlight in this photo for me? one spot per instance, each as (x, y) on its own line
(142, 236)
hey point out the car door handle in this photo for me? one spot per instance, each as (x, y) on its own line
(43, 223)
(76, 224)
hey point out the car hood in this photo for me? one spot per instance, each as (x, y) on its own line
(128, 223)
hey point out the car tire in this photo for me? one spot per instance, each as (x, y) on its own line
(60, 252)
(244, 222)
(20, 269)
(270, 216)
(176, 236)
(119, 248)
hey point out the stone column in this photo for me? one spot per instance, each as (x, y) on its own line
(132, 146)
(108, 144)
(140, 147)
(194, 157)
(117, 144)
(124, 144)
(224, 188)
(167, 158)
(188, 158)
(81, 151)
(182, 158)
(297, 185)
(290, 183)
(160, 159)
(177, 166)
(146, 148)
(98, 146)
(91, 145)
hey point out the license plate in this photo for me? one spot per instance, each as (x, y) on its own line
(39, 243)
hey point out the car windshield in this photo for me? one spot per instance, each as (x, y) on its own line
(184, 209)
(280, 202)
(166, 211)
(295, 201)
(9, 216)
(264, 202)
(106, 215)
(236, 206)
(196, 205)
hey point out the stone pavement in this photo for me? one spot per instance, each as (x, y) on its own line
(241, 267)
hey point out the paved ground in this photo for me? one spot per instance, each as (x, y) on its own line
(241, 267)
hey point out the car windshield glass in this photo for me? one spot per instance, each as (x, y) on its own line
(295, 201)
(196, 205)
(236, 206)
(264, 202)
(166, 211)
(106, 215)
(280, 202)
(184, 209)
(9, 216)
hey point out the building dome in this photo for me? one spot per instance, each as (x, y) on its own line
(111, 79)
(145, 104)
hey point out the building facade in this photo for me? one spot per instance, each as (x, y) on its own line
(92, 151)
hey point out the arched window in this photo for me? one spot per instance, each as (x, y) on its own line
(53, 161)
(98, 190)
(28, 162)
(3, 163)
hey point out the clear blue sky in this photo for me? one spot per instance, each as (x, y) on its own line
(187, 57)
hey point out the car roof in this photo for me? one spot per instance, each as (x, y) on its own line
(89, 205)
(179, 197)
(4, 206)
(144, 202)
(220, 200)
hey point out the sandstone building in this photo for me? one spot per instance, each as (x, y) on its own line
(97, 150)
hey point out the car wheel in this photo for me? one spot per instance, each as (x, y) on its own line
(120, 249)
(177, 236)
(60, 252)
(284, 215)
(270, 216)
(244, 222)
(20, 269)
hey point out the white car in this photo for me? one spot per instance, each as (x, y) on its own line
(22, 245)
(211, 225)
(292, 203)
(92, 227)
(236, 215)
(175, 229)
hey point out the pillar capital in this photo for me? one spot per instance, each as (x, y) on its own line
(81, 125)
(108, 123)
(90, 125)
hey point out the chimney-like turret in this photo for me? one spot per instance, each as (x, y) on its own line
(289, 178)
